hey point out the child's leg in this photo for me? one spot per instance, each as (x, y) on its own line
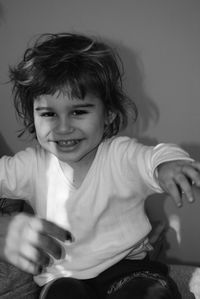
(138, 279)
(143, 288)
(67, 288)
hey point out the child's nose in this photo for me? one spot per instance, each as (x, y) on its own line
(65, 126)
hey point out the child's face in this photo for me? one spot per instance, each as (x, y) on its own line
(70, 128)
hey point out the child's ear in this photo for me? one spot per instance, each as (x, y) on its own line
(110, 117)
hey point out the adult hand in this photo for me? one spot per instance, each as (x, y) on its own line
(178, 177)
(28, 242)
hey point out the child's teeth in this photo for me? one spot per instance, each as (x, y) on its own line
(67, 142)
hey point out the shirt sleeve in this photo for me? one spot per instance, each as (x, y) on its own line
(16, 179)
(140, 160)
(156, 156)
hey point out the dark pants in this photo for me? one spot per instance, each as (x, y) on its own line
(126, 280)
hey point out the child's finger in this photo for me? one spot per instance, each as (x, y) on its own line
(192, 172)
(56, 231)
(173, 191)
(36, 256)
(24, 264)
(184, 186)
(43, 236)
(51, 246)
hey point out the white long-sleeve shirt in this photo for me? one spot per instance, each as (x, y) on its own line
(105, 214)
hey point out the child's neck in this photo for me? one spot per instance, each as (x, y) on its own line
(79, 169)
(79, 176)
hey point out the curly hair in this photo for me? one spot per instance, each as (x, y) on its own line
(74, 63)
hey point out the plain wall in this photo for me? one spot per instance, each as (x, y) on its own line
(160, 46)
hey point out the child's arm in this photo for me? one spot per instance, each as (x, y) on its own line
(27, 241)
(177, 177)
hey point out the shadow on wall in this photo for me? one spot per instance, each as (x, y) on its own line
(4, 148)
(193, 149)
(156, 213)
(155, 210)
(133, 81)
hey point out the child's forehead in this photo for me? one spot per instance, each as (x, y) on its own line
(62, 97)
(57, 95)
(71, 90)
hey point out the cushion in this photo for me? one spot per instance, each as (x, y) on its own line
(182, 274)
(14, 283)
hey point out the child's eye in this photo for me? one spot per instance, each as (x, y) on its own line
(79, 112)
(48, 114)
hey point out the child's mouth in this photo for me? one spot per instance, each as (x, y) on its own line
(67, 143)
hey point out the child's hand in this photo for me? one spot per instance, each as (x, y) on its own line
(27, 242)
(177, 177)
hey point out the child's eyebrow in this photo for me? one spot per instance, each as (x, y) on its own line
(84, 105)
(42, 108)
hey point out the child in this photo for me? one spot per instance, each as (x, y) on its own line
(83, 179)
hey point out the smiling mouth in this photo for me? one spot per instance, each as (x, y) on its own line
(67, 143)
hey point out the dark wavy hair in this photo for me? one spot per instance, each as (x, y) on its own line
(74, 63)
